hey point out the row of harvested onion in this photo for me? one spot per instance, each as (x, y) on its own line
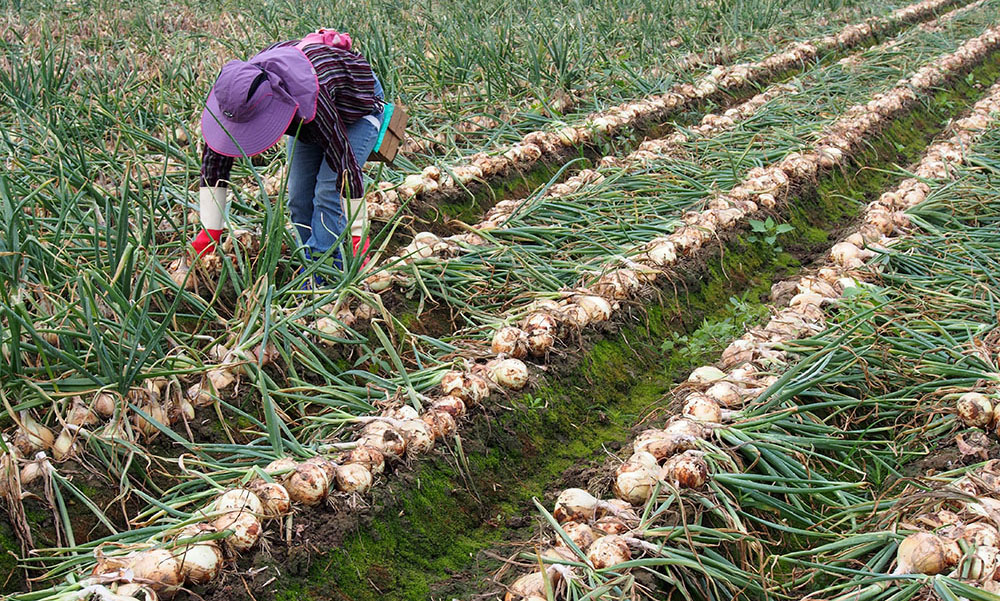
(669, 457)
(384, 202)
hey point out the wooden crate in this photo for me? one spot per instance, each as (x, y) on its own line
(391, 135)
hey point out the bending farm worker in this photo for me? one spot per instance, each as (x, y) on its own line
(328, 102)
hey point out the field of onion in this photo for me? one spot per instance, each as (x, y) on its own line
(823, 430)
(197, 429)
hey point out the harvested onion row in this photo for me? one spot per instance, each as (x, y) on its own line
(385, 201)
(670, 456)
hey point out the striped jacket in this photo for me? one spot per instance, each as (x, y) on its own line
(346, 94)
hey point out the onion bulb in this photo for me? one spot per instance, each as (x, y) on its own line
(32, 436)
(610, 524)
(379, 281)
(575, 505)
(280, 468)
(239, 500)
(389, 441)
(661, 252)
(540, 341)
(510, 341)
(680, 425)
(246, 530)
(403, 412)
(156, 568)
(308, 484)
(530, 586)
(104, 404)
(700, 407)
(580, 533)
(926, 553)
(199, 562)
(469, 387)
(370, 457)
(63, 445)
(687, 470)
(418, 434)
(451, 405)
(706, 375)
(274, 498)
(353, 477)
(608, 551)
(981, 534)
(597, 308)
(634, 482)
(974, 409)
(510, 373)
(725, 393)
(80, 414)
(662, 444)
(157, 413)
(440, 423)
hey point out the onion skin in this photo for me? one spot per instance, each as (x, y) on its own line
(511, 373)
(418, 434)
(975, 410)
(634, 483)
(530, 586)
(239, 500)
(662, 444)
(308, 484)
(200, 562)
(608, 551)
(452, 405)
(246, 530)
(156, 568)
(687, 470)
(510, 341)
(370, 457)
(353, 477)
(274, 499)
(440, 423)
(926, 553)
(389, 441)
(469, 387)
(575, 505)
(581, 534)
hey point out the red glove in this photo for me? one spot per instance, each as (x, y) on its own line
(355, 243)
(205, 241)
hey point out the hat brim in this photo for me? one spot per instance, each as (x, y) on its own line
(246, 138)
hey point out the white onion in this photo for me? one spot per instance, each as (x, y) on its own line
(634, 483)
(158, 569)
(575, 504)
(308, 484)
(510, 373)
(402, 412)
(246, 530)
(63, 445)
(471, 388)
(597, 308)
(81, 415)
(369, 457)
(706, 374)
(199, 562)
(540, 341)
(608, 551)
(451, 405)
(239, 500)
(530, 586)
(280, 468)
(926, 553)
(611, 525)
(379, 281)
(687, 470)
(662, 252)
(419, 436)
(680, 425)
(353, 477)
(724, 393)
(699, 407)
(274, 498)
(441, 424)
(974, 409)
(580, 533)
(510, 341)
(981, 534)
(389, 441)
(662, 444)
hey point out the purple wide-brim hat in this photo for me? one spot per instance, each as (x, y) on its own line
(253, 102)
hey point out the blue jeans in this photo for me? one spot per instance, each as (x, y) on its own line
(314, 200)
